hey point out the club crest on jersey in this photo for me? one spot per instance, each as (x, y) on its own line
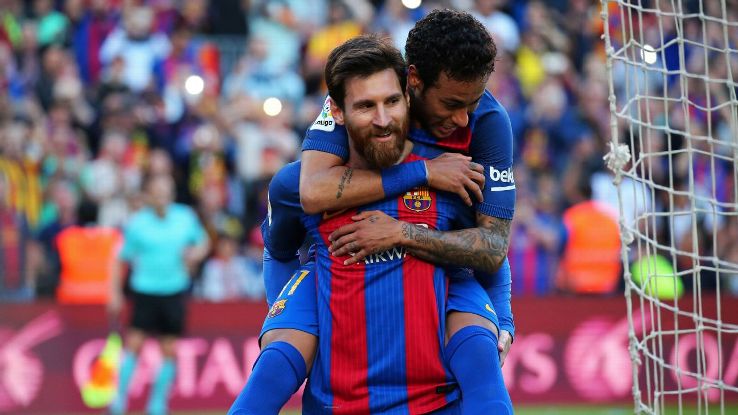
(277, 308)
(325, 121)
(418, 200)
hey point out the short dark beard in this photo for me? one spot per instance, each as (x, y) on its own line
(380, 155)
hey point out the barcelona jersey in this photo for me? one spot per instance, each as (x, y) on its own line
(487, 139)
(382, 321)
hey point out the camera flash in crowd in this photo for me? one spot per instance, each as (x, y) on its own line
(194, 85)
(411, 4)
(272, 107)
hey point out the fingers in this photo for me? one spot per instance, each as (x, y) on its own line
(356, 257)
(343, 231)
(503, 345)
(361, 216)
(477, 168)
(474, 189)
(343, 246)
(463, 194)
(478, 178)
(364, 215)
(503, 355)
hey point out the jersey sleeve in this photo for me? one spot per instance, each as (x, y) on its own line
(492, 147)
(283, 231)
(325, 135)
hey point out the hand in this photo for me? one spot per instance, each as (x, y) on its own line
(456, 173)
(115, 304)
(503, 345)
(372, 232)
(192, 257)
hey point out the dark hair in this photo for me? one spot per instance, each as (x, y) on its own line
(361, 57)
(452, 42)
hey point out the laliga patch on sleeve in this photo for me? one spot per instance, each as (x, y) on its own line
(325, 121)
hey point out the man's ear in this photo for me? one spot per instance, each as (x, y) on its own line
(336, 112)
(413, 79)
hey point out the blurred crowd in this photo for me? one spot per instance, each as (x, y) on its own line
(96, 94)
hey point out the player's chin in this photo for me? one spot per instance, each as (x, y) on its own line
(443, 132)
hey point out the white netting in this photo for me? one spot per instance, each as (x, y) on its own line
(673, 67)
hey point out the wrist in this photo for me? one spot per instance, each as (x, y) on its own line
(407, 234)
(400, 178)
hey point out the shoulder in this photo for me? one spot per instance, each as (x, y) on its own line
(183, 212)
(490, 109)
(181, 209)
(288, 176)
(286, 183)
(491, 130)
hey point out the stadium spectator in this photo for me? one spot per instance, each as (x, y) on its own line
(87, 253)
(15, 284)
(502, 27)
(88, 30)
(535, 236)
(591, 262)
(727, 250)
(108, 181)
(396, 20)
(140, 48)
(228, 275)
(51, 24)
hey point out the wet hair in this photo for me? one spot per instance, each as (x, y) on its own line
(361, 56)
(451, 42)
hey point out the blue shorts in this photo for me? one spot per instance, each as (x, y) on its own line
(466, 295)
(296, 306)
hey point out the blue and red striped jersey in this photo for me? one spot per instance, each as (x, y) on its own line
(487, 139)
(382, 321)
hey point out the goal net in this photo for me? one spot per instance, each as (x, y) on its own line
(673, 73)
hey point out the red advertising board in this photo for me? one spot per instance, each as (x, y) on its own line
(567, 350)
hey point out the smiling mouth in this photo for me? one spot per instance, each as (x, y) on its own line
(383, 136)
(446, 130)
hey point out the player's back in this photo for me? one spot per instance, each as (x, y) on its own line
(382, 320)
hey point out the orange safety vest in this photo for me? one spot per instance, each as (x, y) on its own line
(591, 261)
(87, 256)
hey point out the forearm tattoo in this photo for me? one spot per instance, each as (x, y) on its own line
(483, 248)
(345, 180)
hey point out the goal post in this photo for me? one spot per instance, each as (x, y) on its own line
(673, 73)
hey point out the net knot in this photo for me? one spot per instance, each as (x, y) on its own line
(626, 235)
(616, 158)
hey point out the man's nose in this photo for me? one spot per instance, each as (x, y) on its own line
(460, 117)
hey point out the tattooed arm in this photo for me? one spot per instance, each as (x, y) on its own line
(483, 248)
(326, 184)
